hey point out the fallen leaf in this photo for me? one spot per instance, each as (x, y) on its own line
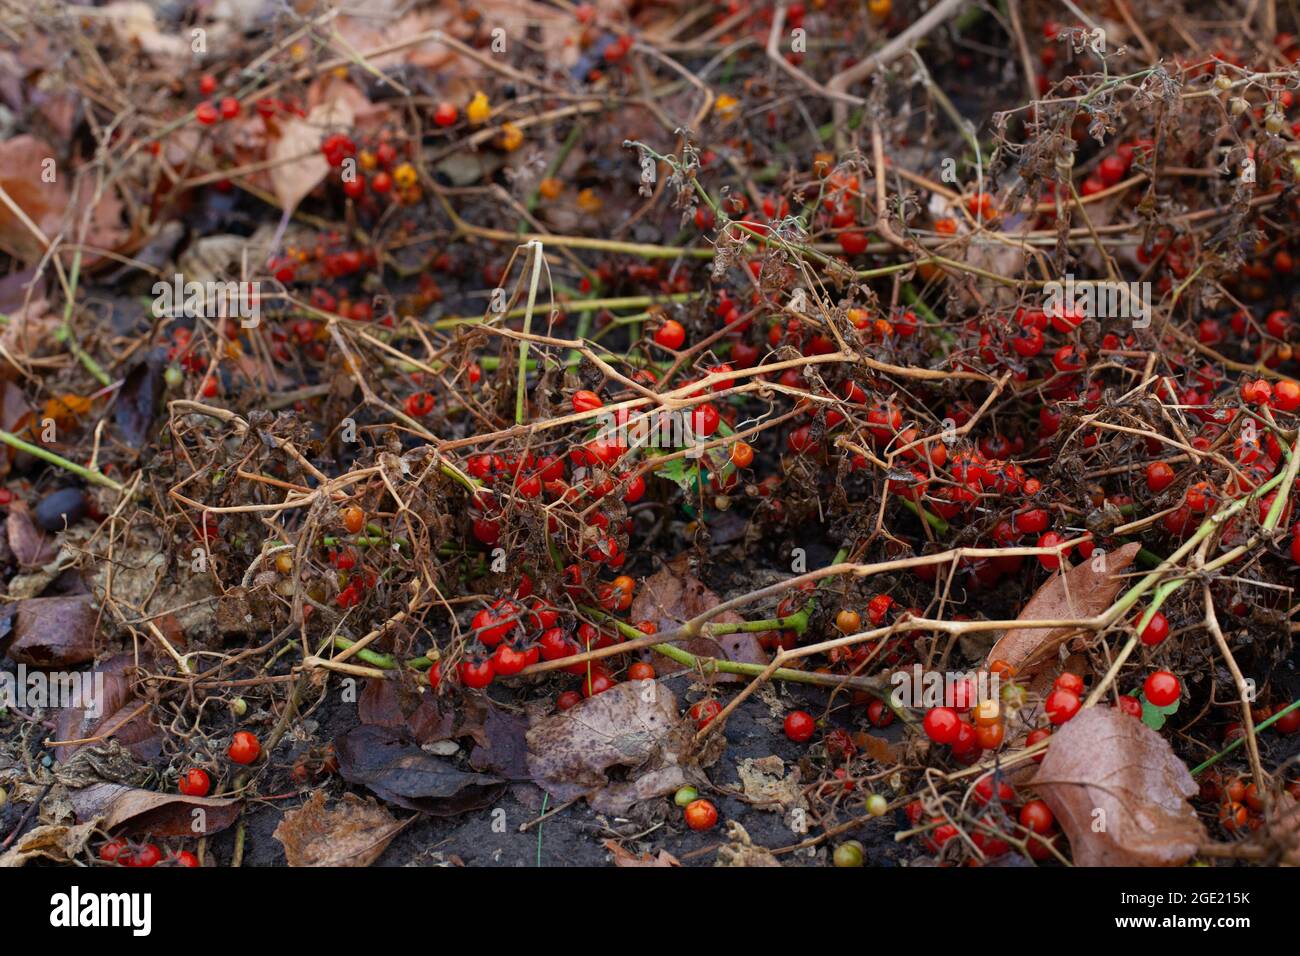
(767, 786)
(1080, 592)
(115, 713)
(354, 832)
(30, 545)
(740, 850)
(54, 631)
(136, 811)
(134, 24)
(672, 596)
(631, 726)
(1119, 792)
(425, 719)
(299, 166)
(137, 401)
(25, 164)
(625, 857)
(398, 771)
(60, 843)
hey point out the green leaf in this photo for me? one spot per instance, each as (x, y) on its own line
(1153, 716)
(682, 472)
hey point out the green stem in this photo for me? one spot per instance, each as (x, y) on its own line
(1262, 725)
(90, 475)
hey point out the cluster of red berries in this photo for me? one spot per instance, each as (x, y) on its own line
(119, 852)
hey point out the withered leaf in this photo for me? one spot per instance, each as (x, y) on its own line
(1119, 792)
(57, 842)
(133, 810)
(390, 703)
(137, 401)
(398, 771)
(30, 545)
(625, 857)
(299, 166)
(632, 725)
(115, 713)
(1080, 592)
(54, 631)
(673, 595)
(354, 832)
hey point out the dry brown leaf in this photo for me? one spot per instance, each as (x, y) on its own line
(1119, 792)
(30, 545)
(300, 166)
(673, 595)
(630, 725)
(55, 631)
(1080, 592)
(742, 850)
(62, 844)
(354, 832)
(119, 715)
(625, 857)
(135, 810)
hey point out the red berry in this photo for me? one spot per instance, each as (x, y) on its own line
(1061, 705)
(1157, 630)
(799, 726)
(229, 107)
(1159, 476)
(704, 712)
(1128, 704)
(671, 335)
(446, 114)
(942, 725)
(207, 84)
(206, 113)
(1161, 688)
(195, 783)
(1031, 521)
(1037, 817)
(476, 674)
(244, 748)
(381, 182)
(701, 815)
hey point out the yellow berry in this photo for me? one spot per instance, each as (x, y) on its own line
(550, 187)
(512, 137)
(479, 109)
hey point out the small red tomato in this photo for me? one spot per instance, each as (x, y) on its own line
(704, 712)
(1128, 704)
(1036, 816)
(1061, 705)
(195, 783)
(701, 815)
(1157, 630)
(476, 674)
(671, 335)
(244, 748)
(641, 671)
(1161, 688)
(799, 726)
(942, 725)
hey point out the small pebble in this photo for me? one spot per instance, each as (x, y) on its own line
(60, 509)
